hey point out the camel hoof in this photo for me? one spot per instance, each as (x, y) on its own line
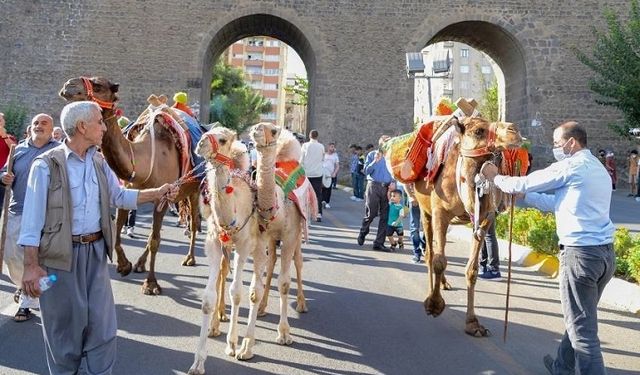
(151, 288)
(189, 261)
(197, 368)
(284, 338)
(446, 286)
(475, 329)
(230, 350)
(434, 306)
(245, 354)
(302, 307)
(124, 270)
(214, 332)
(262, 313)
(223, 317)
(140, 268)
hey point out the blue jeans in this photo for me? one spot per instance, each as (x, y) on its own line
(414, 230)
(357, 180)
(584, 272)
(490, 253)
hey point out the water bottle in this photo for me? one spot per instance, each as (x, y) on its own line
(45, 283)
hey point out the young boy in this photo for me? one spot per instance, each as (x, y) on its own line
(394, 223)
(633, 172)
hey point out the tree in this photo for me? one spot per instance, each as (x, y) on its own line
(15, 117)
(233, 103)
(615, 61)
(300, 91)
(489, 104)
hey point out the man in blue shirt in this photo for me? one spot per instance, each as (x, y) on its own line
(578, 189)
(39, 141)
(376, 196)
(78, 312)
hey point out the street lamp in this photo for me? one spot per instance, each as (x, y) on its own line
(416, 69)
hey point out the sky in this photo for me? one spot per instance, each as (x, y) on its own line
(295, 67)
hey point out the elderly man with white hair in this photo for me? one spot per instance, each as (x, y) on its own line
(67, 232)
(38, 142)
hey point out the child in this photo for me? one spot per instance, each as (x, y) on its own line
(394, 223)
(633, 172)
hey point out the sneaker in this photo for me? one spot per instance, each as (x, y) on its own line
(324, 204)
(130, 231)
(361, 239)
(490, 275)
(327, 205)
(124, 229)
(393, 247)
(359, 200)
(401, 246)
(319, 218)
(548, 363)
(416, 260)
(353, 198)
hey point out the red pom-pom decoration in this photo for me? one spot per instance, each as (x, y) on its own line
(224, 237)
(228, 189)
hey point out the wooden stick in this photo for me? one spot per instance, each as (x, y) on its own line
(511, 214)
(5, 205)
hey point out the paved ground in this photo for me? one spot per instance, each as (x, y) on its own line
(366, 315)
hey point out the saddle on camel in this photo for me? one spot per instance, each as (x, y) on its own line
(159, 154)
(442, 160)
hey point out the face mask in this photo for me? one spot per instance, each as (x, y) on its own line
(559, 154)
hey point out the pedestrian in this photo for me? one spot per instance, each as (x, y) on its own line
(394, 221)
(330, 167)
(66, 231)
(633, 161)
(312, 161)
(610, 165)
(415, 224)
(58, 134)
(5, 146)
(353, 168)
(40, 140)
(360, 178)
(578, 189)
(376, 203)
(180, 100)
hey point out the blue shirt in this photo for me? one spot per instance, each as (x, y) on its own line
(24, 155)
(376, 171)
(353, 163)
(578, 190)
(85, 196)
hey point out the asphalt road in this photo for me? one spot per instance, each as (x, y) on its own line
(365, 315)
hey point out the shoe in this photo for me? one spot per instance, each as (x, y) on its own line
(393, 247)
(130, 231)
(359, 200)
(490, 275)
(416, 260)
(629, 195)
(327, 205)
(124, 230)
(361, 239)
(548, 363)
(324, 204)
(319, 218)
(401, 246)
(353, 198)
(22, 315)
(381, 248)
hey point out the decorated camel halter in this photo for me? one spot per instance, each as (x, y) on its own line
(88, 87)
(486, 150)
(217, 156)
(267, 215)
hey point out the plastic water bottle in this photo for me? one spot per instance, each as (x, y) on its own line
(45, 283)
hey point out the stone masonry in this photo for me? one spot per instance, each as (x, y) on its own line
(354, 52)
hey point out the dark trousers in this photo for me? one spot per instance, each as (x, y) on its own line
(490, 253)
(358, 185)
(326, 194)
(376, 203)
(316, 183)
(131, 218)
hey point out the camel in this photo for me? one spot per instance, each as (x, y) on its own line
(451, 196)
(231, 219)
(281, 219)
(132, 162)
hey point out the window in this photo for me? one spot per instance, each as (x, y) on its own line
(270, 86)
(273, 101)
(256, 85)
(238, 56)
(269, 116)
(464, 68)
(271, 72)
(273, 43)
(464, 85)
(254, 56)
(255, 42)
(486, 69)
(253, 69)
(272, 57)
(464, 52)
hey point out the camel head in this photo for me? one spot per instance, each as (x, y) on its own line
(220, 146)
(481, 137)
(264, 134)
(97, 89)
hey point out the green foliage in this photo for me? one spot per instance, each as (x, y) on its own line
(489, 103)
(300, 91)
(15, 116)
(234, 104)
(627, 248)
(615, 61)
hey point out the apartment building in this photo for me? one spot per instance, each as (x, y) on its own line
(264, 61)
(467, 68)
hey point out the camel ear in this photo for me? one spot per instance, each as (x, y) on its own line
(163, 99)
(459, 125)
(114, 87)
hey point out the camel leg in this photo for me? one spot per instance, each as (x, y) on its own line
(301, 306)
(235, 293)
(219, 314)
(262, 311)
(425, 219)
(214, 253)
(190, 259)
(150, 285)
(256, 291)
(284, 283)
(124, 266)
(434, 304)
(472, 325)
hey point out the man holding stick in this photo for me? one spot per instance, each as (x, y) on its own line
(40, 140)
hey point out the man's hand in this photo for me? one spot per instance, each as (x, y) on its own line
(8, 178)
(378, 156)
(489, 171)
(30, 280)
(168, 191)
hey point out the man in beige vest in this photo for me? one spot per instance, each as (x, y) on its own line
(67, 232)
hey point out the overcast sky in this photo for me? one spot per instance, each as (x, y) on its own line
(295, 67)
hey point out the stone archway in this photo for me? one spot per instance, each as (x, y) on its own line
(505, 50)
(254, 25)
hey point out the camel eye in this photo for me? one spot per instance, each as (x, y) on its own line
(479, 132)
(273, 131)
(222, 141)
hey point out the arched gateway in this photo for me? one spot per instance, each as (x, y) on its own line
(354, 52)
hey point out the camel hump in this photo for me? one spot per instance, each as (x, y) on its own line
(154, 100)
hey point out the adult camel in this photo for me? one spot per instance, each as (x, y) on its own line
(453, 194)
(150, 160)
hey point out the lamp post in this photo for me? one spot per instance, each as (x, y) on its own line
(416, 69)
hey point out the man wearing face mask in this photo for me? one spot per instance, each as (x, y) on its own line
(577, 189)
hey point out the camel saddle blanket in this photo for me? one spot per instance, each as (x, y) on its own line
(296, 187)
(438, 152)
(407, 155)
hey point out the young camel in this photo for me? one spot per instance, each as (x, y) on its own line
(232, 219)
(132, 162)
(281, 219)
(452, 195)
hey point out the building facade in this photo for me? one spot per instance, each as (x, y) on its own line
(264, 62)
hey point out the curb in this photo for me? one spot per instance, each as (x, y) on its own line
(619, 294)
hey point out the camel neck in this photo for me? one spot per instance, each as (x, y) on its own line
(265, 178)
(222, 202)
(117, 149)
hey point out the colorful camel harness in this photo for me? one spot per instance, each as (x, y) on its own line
(88, 86)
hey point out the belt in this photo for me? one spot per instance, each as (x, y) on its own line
(87, 238)
(385, 184)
